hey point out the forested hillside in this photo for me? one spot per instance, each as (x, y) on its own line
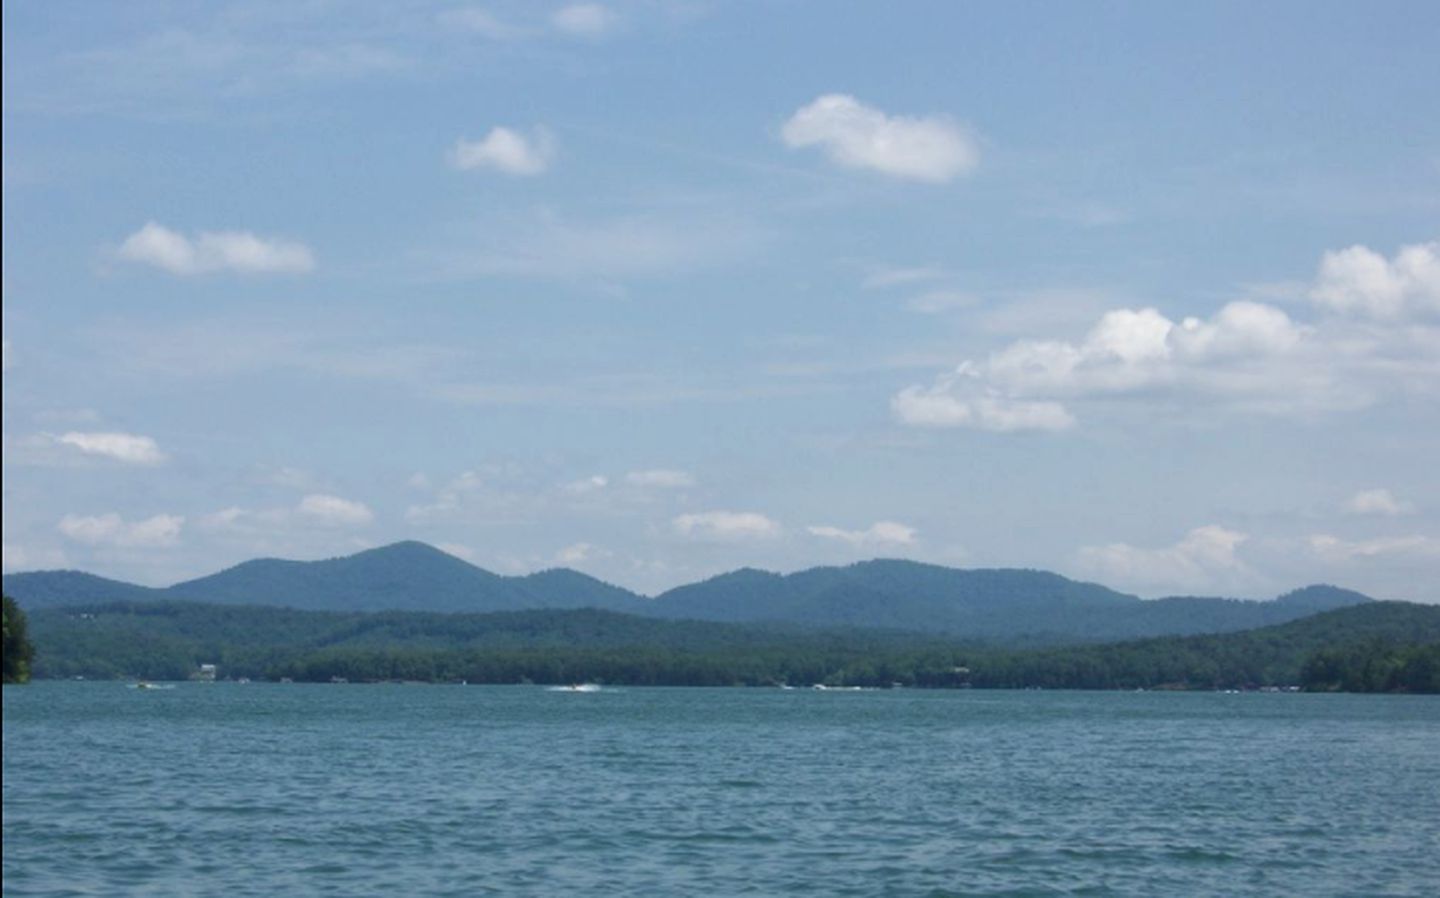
(1392, 645)
(1011, 606)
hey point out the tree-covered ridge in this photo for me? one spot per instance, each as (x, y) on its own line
(170, 640)
(1374, 666)
(987, 604)
(18, 653)
(406, 576)
(1004, 605)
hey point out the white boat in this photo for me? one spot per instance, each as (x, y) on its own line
(577, 687)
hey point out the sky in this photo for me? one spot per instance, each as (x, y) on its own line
(1146, 294)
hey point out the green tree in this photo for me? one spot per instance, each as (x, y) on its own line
(18, 652)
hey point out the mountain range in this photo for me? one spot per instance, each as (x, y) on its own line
(988, 604)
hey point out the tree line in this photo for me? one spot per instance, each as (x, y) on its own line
(1375, 647)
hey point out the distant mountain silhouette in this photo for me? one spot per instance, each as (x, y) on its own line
(51, 589)
(405, 576)
(994, 605)
(986, 604)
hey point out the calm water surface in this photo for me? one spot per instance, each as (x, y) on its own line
(266, 789)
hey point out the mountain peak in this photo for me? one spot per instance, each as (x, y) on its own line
(1323, 596)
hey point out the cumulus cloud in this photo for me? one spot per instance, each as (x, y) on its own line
(853, 135)
(726, 525)
(111, 530)
(240, 252)
(660, 478)
(81, 448)
(588, 20)
(1371, 340)
(881, 533)
(1128, 352)
(123, 447)
(1378, 502)
(334, 511)
(946, 403)
(1206, 558)
(1359, 281)
(506, 151)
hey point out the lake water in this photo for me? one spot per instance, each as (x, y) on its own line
(270, 789)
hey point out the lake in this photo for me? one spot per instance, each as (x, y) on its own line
(272, 789)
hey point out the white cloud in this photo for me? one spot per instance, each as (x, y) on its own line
(1128, 352)
(240, 252)
(19, 558)
(854, 135)
(1205, 559)
(579, 553)
(599, 252)
(458, 550)
(944, 404)
(1360, 281)
(1336, 550)
(286, 476)
(1378, 502)
(448, 498)
(660, 478)
(935, 302)
(333, 510)
(346, 62)
(232, 518)
(124, 447)
(883, 278)
(112, 530)
(589, 484)
(506, 151)
(289, 522)
(726, 525)
(479, 21)
(1248, 356)
(881, 533)
(589, 20)
(81, 448)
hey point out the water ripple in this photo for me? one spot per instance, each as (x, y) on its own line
(379, 790)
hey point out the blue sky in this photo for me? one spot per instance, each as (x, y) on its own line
(1139, 293)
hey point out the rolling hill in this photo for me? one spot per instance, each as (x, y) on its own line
(1383, 646)
(980, 604)
(999, 605)
(405, 576)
